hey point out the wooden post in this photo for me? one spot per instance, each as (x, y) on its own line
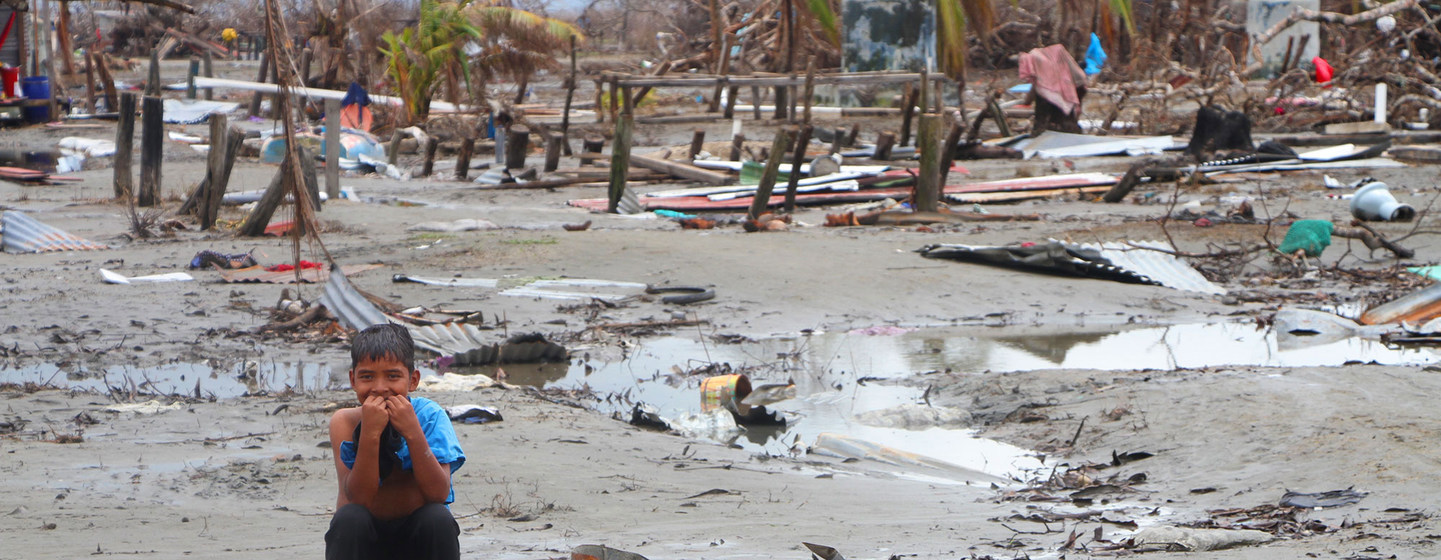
(839, 141)
(57, 85)
(738, 143)
(462, 160)
(152, 138)
(928, 181)
(802, 142)
(259, 78)
(233, 140)
(590, 148)
(756, 102)
(908, 112)
(779, 149)
(569, 94)
(722, 70)
(332, 148)
(810, 89)
(884, 142)
(599, 100)
(620, 155)
(922, 92)
(124, 146)
(393, 155)
(190, 74)
(62, 29)
(112, 101)
(89, 84)
(731, 93)
(614, 98)
(215, 162)
(152, 81)
(207, 69)
(307, 173)
(428, 164)
(305, 57)
(259, 217)
(553, 143)
(948, 149)
(517, 146)
(697, 142)
(853, 134)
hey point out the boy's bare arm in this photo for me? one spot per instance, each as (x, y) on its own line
(432, 477)
(358, 485)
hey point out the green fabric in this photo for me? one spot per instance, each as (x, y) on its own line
(1311, 236)
(751, 173)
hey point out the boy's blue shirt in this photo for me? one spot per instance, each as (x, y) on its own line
(439, 433)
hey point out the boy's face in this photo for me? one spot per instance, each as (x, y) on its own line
(383, 377)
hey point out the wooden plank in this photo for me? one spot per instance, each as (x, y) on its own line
(688, 172)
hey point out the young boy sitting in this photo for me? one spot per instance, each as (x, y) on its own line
(394, 455)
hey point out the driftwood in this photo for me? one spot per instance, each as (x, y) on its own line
(1333, 17)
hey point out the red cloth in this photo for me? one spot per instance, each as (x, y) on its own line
(1053, 75)
(1323, 70)
(288, 267)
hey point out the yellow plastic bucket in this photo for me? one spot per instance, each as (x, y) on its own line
(725, 391)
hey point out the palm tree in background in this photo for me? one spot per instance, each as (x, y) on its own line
(468, 43)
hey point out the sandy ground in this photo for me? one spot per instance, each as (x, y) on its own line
(250, 477)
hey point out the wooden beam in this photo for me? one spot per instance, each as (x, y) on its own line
(689, 172)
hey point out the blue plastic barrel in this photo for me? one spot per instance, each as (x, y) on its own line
(36, 88)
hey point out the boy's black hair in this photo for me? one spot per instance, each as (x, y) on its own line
(386, 340)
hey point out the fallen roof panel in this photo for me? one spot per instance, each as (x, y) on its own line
(20, 233)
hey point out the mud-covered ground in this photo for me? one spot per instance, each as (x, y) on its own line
(249, 477)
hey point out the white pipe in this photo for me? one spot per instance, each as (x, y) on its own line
(313, 93)
(1380, 111)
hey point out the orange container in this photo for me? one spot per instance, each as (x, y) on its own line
(725, 391)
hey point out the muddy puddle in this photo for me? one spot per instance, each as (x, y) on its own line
(844, 382)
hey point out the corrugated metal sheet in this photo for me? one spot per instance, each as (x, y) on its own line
(20, 233)
(1162, 267)
(461, 340)
(353, 310)
(466, 343)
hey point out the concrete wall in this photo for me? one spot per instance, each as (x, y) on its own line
(1262, 14)
(887, 35)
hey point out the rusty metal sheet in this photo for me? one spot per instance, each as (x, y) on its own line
(258, 275)
(20, 233)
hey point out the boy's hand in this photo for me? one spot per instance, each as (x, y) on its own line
(374, 414)
(403, 418)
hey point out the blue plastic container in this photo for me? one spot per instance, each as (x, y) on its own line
(36, 89)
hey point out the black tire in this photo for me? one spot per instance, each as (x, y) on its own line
(689, 294)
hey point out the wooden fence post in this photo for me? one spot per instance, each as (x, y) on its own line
(152, 145)
(779, 149)
(125, 146)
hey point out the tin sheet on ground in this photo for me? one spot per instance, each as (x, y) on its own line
(20, 233)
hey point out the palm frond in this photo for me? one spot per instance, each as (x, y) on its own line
(821, 13)
(951, 36)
